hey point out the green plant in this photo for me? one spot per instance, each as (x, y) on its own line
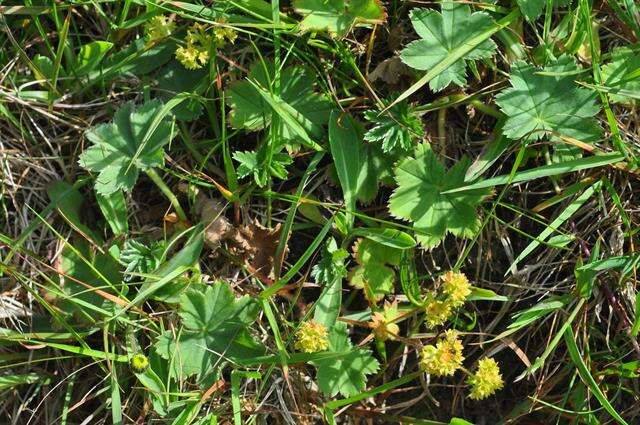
(338, 17)
(620, 75)
(174, 79)
(139, 258)
(251, 112)
(532, 9)
(360, 166)
(345, 372)
(396, 130)
(322, 204)
(133, 142)
(419, 198)
(549, 103)
(215, 331)
(440, 34)
(372, 273)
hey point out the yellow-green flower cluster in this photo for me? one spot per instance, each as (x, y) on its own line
(224, 34)
(486, 381)
(190, 57)
(195, 53)
(444, 358)
(455, 290)
(382, 323)
(158, 27)
(311, 337)
(437, 312)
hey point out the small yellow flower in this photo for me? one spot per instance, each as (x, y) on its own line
(159, 27)
(203, 56)
(486, 381)
(198, 33)
(311, 337)
(224, 33)
(457, 288)
(139, 363)
(445, 357)
(382, 323)
(188, 57)
(437, 312)
(231, 35)
(196, 52)
(190, 38)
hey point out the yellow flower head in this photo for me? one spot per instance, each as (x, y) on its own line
(188, 57)
(311, 337)
(486, 381)
(231, 35)
(139, 363)
(196, 52)
(203, 56)
(382, 325)
(159, 27)
(456, 286)
(224, 34)
(445, 357)
(437, 312)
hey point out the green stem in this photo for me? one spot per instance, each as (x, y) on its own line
(486, 109)
(167, 192)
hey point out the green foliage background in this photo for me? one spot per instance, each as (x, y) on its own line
(186, 186)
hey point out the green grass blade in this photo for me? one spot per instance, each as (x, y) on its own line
(116, 402)
(635, 329)
(10, 381)
(335, 404)
(236, 375)
(539, 362)
(545, 171)
(586, 377)
(573, 207)
(114, 210)
(57, 63)
(288, 223)
(67, 400)
(273, 289)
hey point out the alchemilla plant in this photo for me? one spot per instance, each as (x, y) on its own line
(320, 211)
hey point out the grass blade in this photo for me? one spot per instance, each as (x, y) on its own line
(573, 207)
(273, 289)
(545, 171)
(586, 377)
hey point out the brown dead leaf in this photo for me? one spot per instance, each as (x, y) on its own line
(253, 242)
(217, 386)
(173, 224)
(259, 244)
(217, 227)
(171, 218)
(391, 71)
